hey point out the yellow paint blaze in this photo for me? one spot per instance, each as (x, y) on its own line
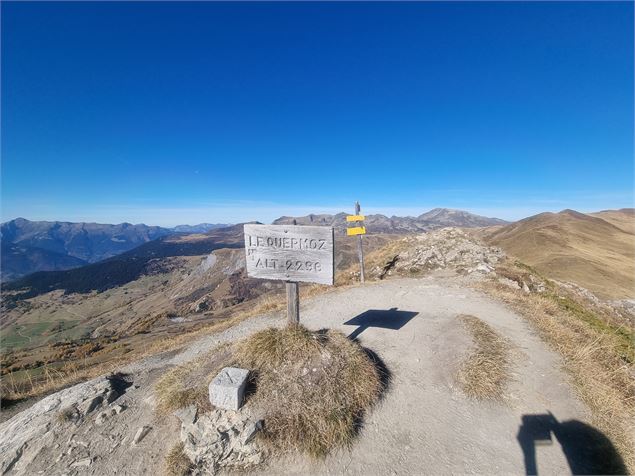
(358, 230)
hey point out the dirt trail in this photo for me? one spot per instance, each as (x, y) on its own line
(424, 423)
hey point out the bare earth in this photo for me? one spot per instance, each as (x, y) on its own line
(424, 423)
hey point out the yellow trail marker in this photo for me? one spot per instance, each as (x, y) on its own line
(357, 230)
(355, 218)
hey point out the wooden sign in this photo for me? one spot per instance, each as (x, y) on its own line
(356, 230)
(355, 218)
(290, 253)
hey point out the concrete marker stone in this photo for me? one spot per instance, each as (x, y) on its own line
(227, 389)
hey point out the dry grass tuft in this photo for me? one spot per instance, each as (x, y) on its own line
(181, 386)
(313, 387)
(485, 372)
(176, 462)
(67, 414)
(172, 394)
(272, 347)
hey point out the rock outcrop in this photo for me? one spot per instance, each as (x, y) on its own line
(27, 434)
(219, 439)
(449, 248)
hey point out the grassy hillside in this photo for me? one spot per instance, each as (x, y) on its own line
(623, 219)
(596, 252)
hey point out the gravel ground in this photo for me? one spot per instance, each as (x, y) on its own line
(424, 423)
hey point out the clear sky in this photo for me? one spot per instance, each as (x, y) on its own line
(169, 113)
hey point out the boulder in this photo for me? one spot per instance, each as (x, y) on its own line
(30, 432)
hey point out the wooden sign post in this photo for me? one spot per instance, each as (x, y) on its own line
(358, 230)
(293, 254)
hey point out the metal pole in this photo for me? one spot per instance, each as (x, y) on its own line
(360, 248)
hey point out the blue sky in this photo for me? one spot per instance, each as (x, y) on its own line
(169, 113)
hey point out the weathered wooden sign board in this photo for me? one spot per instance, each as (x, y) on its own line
(290, 253)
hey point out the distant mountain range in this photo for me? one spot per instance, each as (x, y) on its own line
(30, 246)
(148, 258)
(200, 228)
(434, 219)
(593, 250)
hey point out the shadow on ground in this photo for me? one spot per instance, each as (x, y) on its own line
(588, 451)
(386, 381)
(382, 318)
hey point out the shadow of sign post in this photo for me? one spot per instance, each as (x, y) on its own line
(382, 318)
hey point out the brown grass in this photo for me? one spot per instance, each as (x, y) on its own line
(172, 394)
(188, 383)
(485, 371)
(596, 353)
(575, 247)
(176, 462)
(376, 262)
(67, 414)
(312, 386)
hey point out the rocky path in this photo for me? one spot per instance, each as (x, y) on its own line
(424, 423)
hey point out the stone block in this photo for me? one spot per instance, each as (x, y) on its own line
(228, 388)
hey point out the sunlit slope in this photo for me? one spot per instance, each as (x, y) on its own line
(623, 219)
(590, 251)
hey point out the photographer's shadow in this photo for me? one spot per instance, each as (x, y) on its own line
(588, 451)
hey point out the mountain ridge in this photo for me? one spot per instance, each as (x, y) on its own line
(88, 242)
(590, 250)
(32, 246)
(378, 223)
(128, 266)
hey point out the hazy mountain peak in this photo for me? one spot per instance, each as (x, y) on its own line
(31, 246)
(377, 223)
(200, 228)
